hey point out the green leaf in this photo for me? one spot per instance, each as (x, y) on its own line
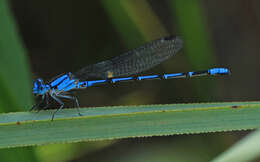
(31, 128)
(15, 91)
(246, 149)
(146, 21)
(122, 22)
(194, 31)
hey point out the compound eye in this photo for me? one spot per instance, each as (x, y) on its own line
(38, 87)
(38, 83)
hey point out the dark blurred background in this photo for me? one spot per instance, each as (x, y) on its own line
(64, 36)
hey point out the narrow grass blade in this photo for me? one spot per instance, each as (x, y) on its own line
(31, 128)
(246, 149)
(15, 90)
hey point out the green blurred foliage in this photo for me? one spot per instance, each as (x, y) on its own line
(14, 72)
(15, 91)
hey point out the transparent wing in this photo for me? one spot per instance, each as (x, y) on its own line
(133, 61)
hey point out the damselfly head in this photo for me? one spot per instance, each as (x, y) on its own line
(39, 88)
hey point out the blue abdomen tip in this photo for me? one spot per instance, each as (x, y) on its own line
(216, 71)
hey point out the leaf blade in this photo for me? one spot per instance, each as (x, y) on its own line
(106, 123)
